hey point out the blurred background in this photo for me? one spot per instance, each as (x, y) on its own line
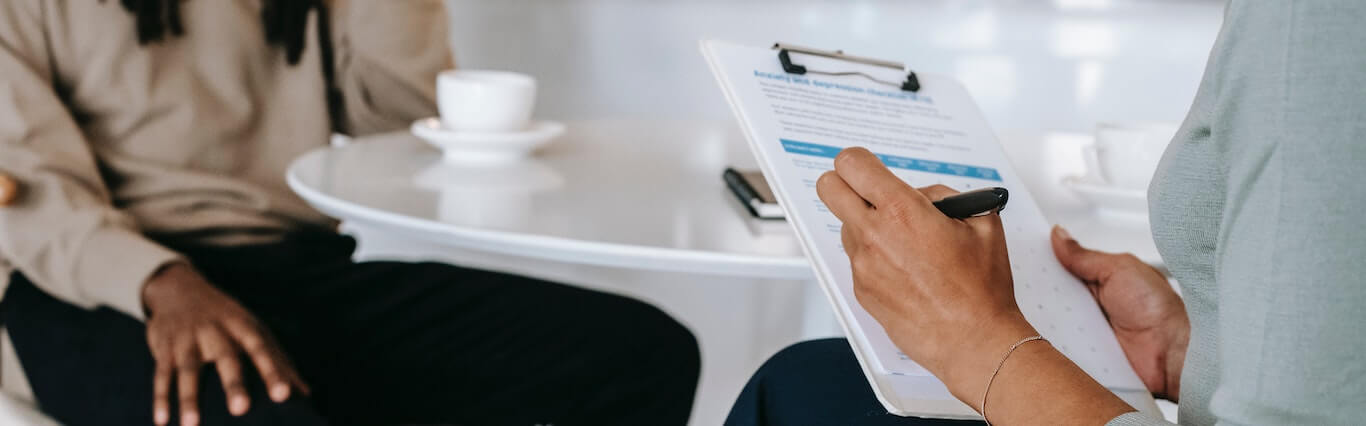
(1030, 64)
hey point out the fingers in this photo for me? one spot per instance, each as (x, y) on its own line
(220, 350)
(161, 392)
(291, 376)
(987, 224)
(848, 237)
(275, 370)
(937, 192)
(866, 174)
(230, 371)
(187, 383)
(1090, 266)
(846, 204)
(220, 347)
(255, 346)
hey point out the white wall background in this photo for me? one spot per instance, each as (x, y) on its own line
(1032, 65)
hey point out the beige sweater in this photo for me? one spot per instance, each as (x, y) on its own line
(112, 141)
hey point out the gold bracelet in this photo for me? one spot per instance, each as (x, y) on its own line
(998, 370)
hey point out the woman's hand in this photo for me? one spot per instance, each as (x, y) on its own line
(1147, 315)
(941, 287)
(191, 323)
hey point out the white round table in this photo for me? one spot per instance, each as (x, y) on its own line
(629, 194)
(624, 194)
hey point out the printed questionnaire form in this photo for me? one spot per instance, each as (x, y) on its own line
(798, 123)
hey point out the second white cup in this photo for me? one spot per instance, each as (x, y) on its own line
(485, 101)
(1127, 153)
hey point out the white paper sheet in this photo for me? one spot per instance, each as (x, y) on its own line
(797, 123)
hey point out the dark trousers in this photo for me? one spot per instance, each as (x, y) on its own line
(379, 343)
(816, 383)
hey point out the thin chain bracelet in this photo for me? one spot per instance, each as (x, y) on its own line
(998, 370)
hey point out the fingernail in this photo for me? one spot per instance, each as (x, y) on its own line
(189, 419)
(161, 417)
(1062, 232)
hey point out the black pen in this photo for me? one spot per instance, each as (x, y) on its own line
(973, 203)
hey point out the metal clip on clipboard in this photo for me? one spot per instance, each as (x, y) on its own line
(912, 84)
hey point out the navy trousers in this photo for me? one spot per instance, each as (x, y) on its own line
(379, 343)
(816, 383)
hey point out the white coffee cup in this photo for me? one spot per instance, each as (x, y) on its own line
(485, 101)
(1126, 154)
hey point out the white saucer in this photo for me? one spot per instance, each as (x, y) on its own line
(486, 147)
(1108, 197)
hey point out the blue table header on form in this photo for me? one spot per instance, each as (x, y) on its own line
(928, 166)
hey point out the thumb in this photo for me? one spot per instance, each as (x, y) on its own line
(1089, 265)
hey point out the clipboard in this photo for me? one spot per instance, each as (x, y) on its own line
(911, 83)
(785, 113)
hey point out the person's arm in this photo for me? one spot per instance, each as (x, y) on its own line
(942, 289)
(65, 234)
(388, 54)
(62, 231)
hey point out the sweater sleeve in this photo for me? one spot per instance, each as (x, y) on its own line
(63, 233)
(388, 54)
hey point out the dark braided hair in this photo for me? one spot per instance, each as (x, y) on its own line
(286, 27)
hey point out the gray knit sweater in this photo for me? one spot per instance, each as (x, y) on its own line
(1258, 210)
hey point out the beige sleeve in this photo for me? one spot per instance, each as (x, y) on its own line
(63, 233)
(387, 56)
